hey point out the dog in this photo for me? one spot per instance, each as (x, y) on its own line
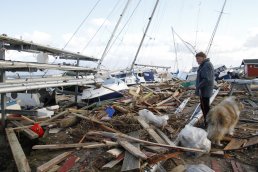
(223, 118)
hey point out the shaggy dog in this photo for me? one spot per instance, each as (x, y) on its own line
(223, 118)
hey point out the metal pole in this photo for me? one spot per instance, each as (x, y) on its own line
(76, 87)
(136, 55)
(112, 36)
(215, 29)
(176, 63)
(3, 95)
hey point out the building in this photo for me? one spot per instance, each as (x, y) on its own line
(250, 68)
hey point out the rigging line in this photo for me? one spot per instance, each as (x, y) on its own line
(100, 26)
(124, 26)
(81, 24)
(112, 35)
(189, 46)
(215, 28)
(197, 25)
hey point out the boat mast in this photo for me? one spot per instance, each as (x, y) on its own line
(176, 63)
(136, 55)
(112, 36)
(215, 29)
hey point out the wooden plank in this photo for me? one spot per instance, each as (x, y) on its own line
(132, 149)
(27, 132)
(75, 145)
(235, 144)
(133, 139)
(215, 166)
(115, 152)
(151, 132)
(165, 137)
(48, 165)
(251, 141)
(97, 122)
(112, 163)
(164, 101)
(54, 169)
(132, 163)
(69, 163)
(162, 157)
(18, 154)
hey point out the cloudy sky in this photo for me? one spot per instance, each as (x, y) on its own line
(53, 22)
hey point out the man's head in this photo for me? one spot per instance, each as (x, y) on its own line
(200, 57)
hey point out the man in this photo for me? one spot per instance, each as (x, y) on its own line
(204, 83)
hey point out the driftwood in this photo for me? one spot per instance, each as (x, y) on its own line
(132, 139)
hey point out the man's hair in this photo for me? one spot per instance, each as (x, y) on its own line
(201, 54)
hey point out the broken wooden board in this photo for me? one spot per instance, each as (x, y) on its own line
(132, 163)
(76, 145)
(161, 157)
(48, 165)
(133, 139)
(112, 163)
(97, 122)
(165, 137)
(18, 154)
(215, 166)
(164, 101)
(235, 144)
(26, 131)
(151, 132)
(132, 149)
(69, 163)
(115, 152)
(251, 141)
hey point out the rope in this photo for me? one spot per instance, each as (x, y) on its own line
(81, 24)
(100, 26)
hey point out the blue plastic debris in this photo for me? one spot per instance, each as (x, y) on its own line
(110, 111)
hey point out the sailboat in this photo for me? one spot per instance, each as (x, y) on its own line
(136, 76)
(111, 87)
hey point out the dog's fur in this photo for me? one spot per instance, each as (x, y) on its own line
(223, 118)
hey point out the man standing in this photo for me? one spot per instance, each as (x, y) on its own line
(204, 83)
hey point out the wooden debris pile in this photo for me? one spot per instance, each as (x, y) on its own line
(111, 136)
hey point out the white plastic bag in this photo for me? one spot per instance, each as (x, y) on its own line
(199, 168)
(148, 116)
(193, 137)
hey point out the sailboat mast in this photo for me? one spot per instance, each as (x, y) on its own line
(215, 29)
(112, 35)
(176, 63)
(150, 19)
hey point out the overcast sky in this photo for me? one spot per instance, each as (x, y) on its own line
(52, 22)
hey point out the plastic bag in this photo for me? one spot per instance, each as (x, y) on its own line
(193, 137)
(148, 116)
(198, 168)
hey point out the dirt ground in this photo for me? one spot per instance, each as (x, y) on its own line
(94, 159)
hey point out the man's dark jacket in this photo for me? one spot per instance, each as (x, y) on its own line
(205, 79)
